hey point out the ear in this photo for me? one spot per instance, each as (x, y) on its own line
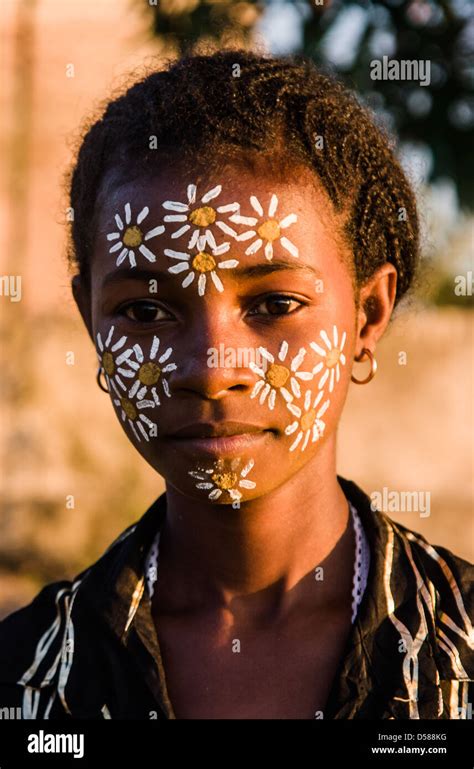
(376, 302)
(82, 297)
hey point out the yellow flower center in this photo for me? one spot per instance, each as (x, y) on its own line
(132, 237)
(149, 373)
(332, 357)
(203, 262)
(308, 419)
(277, 375)
(129, 408)
(224, 480)
(202, 217)
(108, 363)
(269, 230)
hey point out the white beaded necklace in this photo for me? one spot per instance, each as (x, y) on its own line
(361, 563)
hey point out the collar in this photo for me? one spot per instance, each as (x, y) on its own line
(116, 588)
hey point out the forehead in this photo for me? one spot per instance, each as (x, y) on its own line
(184, 201)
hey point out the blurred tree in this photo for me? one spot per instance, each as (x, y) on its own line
(347, 38)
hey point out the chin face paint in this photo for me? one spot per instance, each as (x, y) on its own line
(266, 229)
(224, 478)
(195, 217)
(203, 264)
(281, 376)
(132, 237)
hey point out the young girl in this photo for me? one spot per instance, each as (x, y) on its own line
(242, 233)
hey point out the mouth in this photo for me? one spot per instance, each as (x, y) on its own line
(220, 438)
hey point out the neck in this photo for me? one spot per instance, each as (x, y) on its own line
(267, 550)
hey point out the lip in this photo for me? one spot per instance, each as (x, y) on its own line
(216, 430)
(223, 438)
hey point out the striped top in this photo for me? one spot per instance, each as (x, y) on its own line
(410, 653)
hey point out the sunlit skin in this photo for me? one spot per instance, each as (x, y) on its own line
(246, 573)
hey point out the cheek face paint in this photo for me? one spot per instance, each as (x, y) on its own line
(266, 229)
(136, 380)
(131, 237)
(308, 423)
(278, 377)
(148, 372)
(224, 478)
(282, 375)
(333, 357)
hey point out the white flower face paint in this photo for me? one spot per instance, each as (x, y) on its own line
(119, 368)
(130, 413)
(112, 365)
(333, 356)
(224, 477)
(278, 377)
(308, 424)
(131, 236)
(268, 231)
(146, 373)
(193, 219)
(203, 264)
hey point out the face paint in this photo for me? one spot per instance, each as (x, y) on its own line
(224, 478)
(203, 263)
(131, 236)
(147, 372)
(130, 413)
(269, 228)
(111, 364)
(194, 218)
(277, 377)
(333, 356)
(131, 363)
(308, 424)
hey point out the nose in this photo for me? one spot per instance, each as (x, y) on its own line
(214, 359)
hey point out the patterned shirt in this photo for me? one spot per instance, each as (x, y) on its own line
(88, 648)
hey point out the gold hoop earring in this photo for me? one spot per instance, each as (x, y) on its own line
(373, 367)
(100, 371)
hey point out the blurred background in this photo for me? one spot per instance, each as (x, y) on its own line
(70, 481)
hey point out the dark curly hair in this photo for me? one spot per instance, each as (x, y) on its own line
(234, 105)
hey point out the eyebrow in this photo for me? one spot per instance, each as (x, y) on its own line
(242, 271)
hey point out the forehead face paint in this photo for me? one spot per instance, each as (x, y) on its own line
(195, 217)
(224, 478)
(131, 236)
(266, 229)
(202, 263)
(279, 378)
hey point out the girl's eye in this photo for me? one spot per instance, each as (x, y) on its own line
(277, 304)
(144, 311)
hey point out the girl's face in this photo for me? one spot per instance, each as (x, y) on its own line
(224, 317)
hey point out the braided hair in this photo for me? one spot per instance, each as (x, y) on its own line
(204, 109)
